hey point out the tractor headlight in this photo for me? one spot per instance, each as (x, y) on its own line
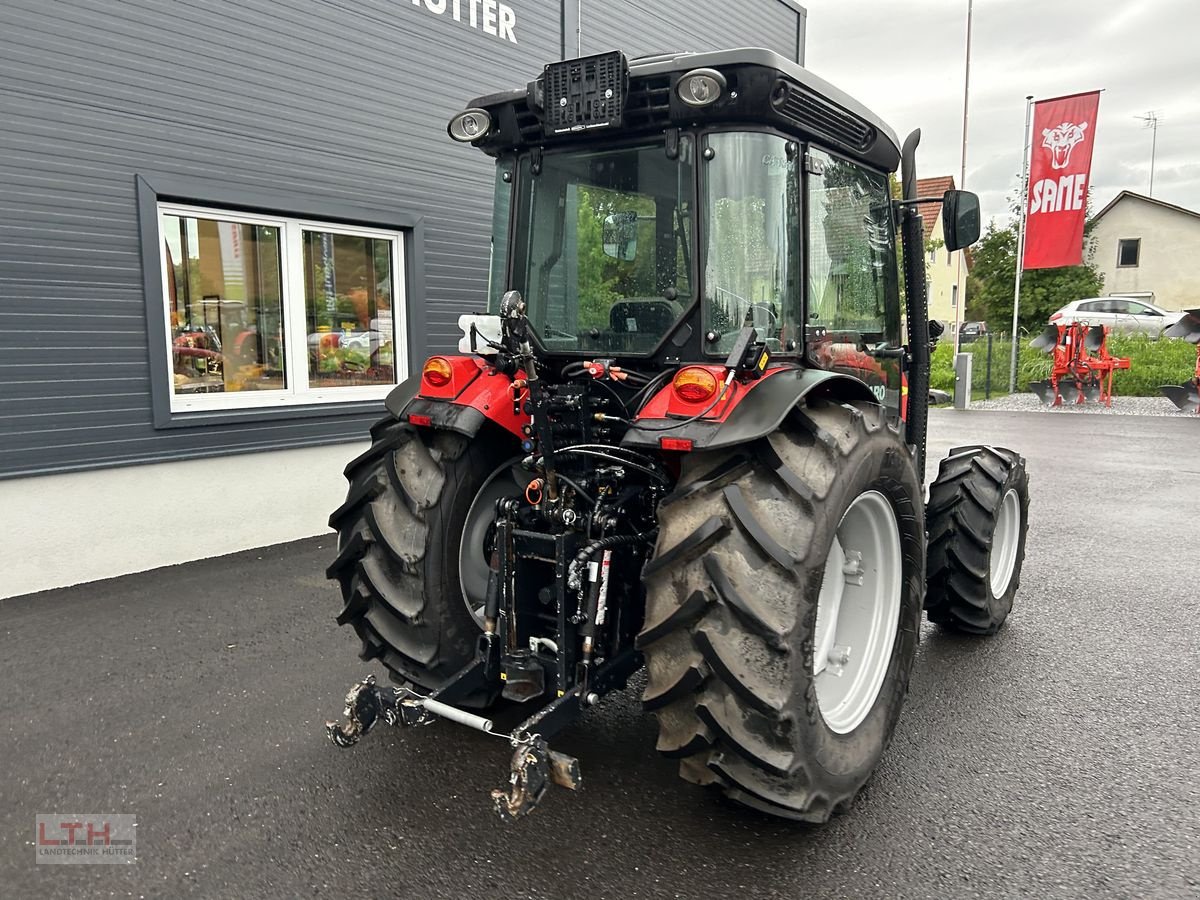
(470, 125)
(700, 87)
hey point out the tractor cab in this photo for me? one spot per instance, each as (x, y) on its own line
(654, 209)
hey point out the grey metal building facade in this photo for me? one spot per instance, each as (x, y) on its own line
(139, 135)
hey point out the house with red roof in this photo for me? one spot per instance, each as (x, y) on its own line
(941, 266)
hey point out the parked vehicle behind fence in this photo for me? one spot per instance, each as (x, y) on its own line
(1119, 314)
(972, 331)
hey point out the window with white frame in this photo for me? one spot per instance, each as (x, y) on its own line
(267, 311)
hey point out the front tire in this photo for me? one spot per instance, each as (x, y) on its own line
(737, 612)
(978, 517)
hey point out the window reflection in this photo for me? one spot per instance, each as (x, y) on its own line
(225, 305)
(851, 266)
(752, 246)
(601, 251)
(348, 291)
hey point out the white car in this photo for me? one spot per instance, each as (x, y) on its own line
(1118, 313)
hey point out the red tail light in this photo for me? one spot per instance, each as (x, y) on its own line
(1056, 317)
(693, 384)
(437, 371)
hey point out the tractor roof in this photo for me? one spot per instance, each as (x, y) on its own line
(765, 88)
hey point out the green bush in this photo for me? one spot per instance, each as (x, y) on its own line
(1151, 363)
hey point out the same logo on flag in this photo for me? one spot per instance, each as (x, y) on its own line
(1056, 205)
(1061, 140)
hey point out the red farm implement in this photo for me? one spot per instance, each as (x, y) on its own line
(1081, 361)
(1186, 396)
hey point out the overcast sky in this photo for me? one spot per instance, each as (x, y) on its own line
(905, 60)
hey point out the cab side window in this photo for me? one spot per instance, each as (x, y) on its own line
(852, 290)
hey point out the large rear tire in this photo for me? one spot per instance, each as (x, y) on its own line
(754, 548)
(399, 536)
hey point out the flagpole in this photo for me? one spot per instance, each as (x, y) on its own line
(1012, 377)
(960, 307)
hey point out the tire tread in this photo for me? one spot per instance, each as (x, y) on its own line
(962, 512)
(720, 654)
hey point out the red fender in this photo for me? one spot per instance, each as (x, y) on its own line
(474, 394)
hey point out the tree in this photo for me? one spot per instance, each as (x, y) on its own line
(596, 283)
(993, 277)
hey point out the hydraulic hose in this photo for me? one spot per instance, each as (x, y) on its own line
(615, 460)
(574, 577)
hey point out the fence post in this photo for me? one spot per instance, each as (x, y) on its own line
(962, 380)
(987, 385)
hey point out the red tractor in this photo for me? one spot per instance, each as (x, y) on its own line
(684, 436)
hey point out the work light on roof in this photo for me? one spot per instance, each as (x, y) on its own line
(700, 87)
(470, 125)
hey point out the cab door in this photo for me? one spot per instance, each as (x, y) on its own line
(851, 291)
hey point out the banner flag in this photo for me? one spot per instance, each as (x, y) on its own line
(1064, 130)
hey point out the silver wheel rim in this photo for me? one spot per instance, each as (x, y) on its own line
(472, 550)
(858, 612)
(1002, 560)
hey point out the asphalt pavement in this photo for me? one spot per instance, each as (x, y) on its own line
(1060, 758)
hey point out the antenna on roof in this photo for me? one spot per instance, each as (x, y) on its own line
(1150, 120)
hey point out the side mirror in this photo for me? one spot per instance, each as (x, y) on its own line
(620, 236)
(960, 219)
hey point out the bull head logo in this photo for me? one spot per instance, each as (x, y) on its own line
(1061, 140)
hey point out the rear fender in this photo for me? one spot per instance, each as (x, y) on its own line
(477, 394)
(755, 409)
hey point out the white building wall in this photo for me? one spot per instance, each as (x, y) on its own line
(1170, 249)
(942, 274)
(83, 526)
